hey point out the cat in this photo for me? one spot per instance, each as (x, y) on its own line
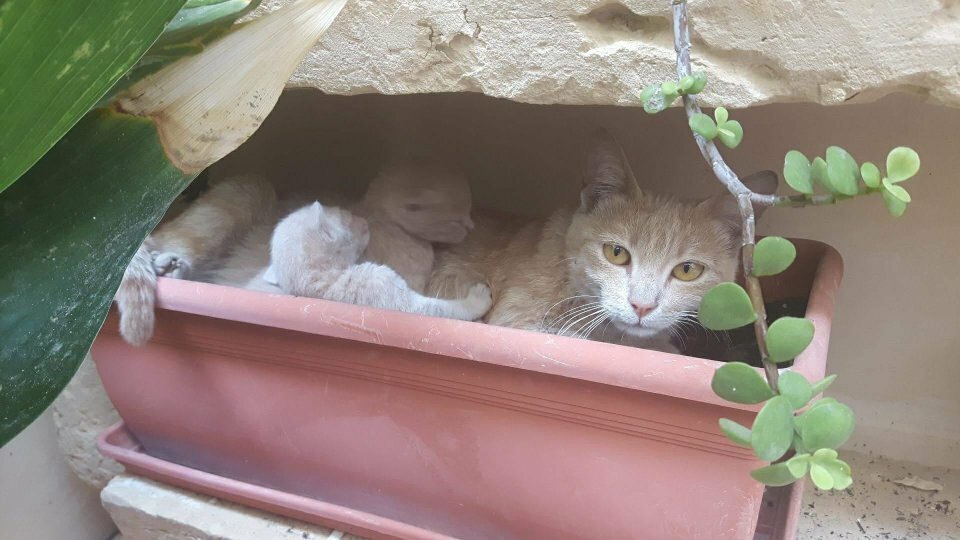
(624, 266)
(409, 205)
(316, 252)
(223, 237)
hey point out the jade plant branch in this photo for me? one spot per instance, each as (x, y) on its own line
(814, 434)
(745, 197)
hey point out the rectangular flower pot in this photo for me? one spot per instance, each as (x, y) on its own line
(417, 427)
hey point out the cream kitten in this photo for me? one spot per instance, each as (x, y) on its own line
(223, 237)
(409, 205)
(625, 266)
(315, 252)
(193, 244)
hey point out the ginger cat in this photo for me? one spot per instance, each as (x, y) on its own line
(624, 266)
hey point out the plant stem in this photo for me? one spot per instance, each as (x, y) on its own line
(745, 197)
(794, 201)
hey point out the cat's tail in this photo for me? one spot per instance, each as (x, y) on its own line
(136, 298)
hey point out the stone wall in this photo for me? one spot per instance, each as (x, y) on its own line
(579, 52)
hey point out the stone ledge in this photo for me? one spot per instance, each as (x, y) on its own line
(148, 510)
(81, 413)
(601, 52)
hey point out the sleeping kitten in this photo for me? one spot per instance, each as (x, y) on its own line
(315, 252)
(223, 237)
(409, 205)
(623, 267)
(188, 241)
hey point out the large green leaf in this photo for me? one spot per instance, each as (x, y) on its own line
(198, 24)
(67, 231)
(57, 58)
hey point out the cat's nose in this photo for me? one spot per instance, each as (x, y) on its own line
(642, 309)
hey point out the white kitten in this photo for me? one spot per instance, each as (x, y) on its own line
(315, 251)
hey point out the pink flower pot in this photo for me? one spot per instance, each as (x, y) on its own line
(393, 425)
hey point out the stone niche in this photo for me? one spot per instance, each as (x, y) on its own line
(522, 152)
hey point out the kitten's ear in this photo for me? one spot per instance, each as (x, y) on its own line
(270, 276)
(725, 206)
(606, 172)
(316, 210)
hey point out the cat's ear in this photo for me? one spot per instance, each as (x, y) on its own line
(316, 210)
(270, 276)
(606, 172)
(725, 206)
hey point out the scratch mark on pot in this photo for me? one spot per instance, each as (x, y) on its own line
(465, 352)
(353, 327)
(554, 360)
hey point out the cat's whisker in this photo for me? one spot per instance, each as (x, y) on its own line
(590, 314)
(674, 332)
(547, 312)
(570, 314)
(593, 326)
(573, 312)
(609, 320)
(586, 316)
(584, 331)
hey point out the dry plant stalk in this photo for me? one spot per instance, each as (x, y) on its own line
(207, 105)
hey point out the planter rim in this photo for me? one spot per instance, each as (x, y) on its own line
(632, 368)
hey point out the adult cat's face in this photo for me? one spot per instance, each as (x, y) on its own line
(647, 260)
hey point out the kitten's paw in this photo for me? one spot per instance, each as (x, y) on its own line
(479, 300)
(171, 265)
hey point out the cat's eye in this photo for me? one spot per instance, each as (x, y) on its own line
(616, 254)
(687, 271)
(413, 207)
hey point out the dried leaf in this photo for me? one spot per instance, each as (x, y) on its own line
(207, 105)
(918, 483)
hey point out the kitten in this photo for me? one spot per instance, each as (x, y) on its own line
(315, 252)
(193, 244)
(409, 205)
(223, 237)
(623, 267)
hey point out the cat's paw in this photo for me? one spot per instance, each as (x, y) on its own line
(479, 300)
(171, 265)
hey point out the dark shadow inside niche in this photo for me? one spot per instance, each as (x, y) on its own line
(520, 158)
